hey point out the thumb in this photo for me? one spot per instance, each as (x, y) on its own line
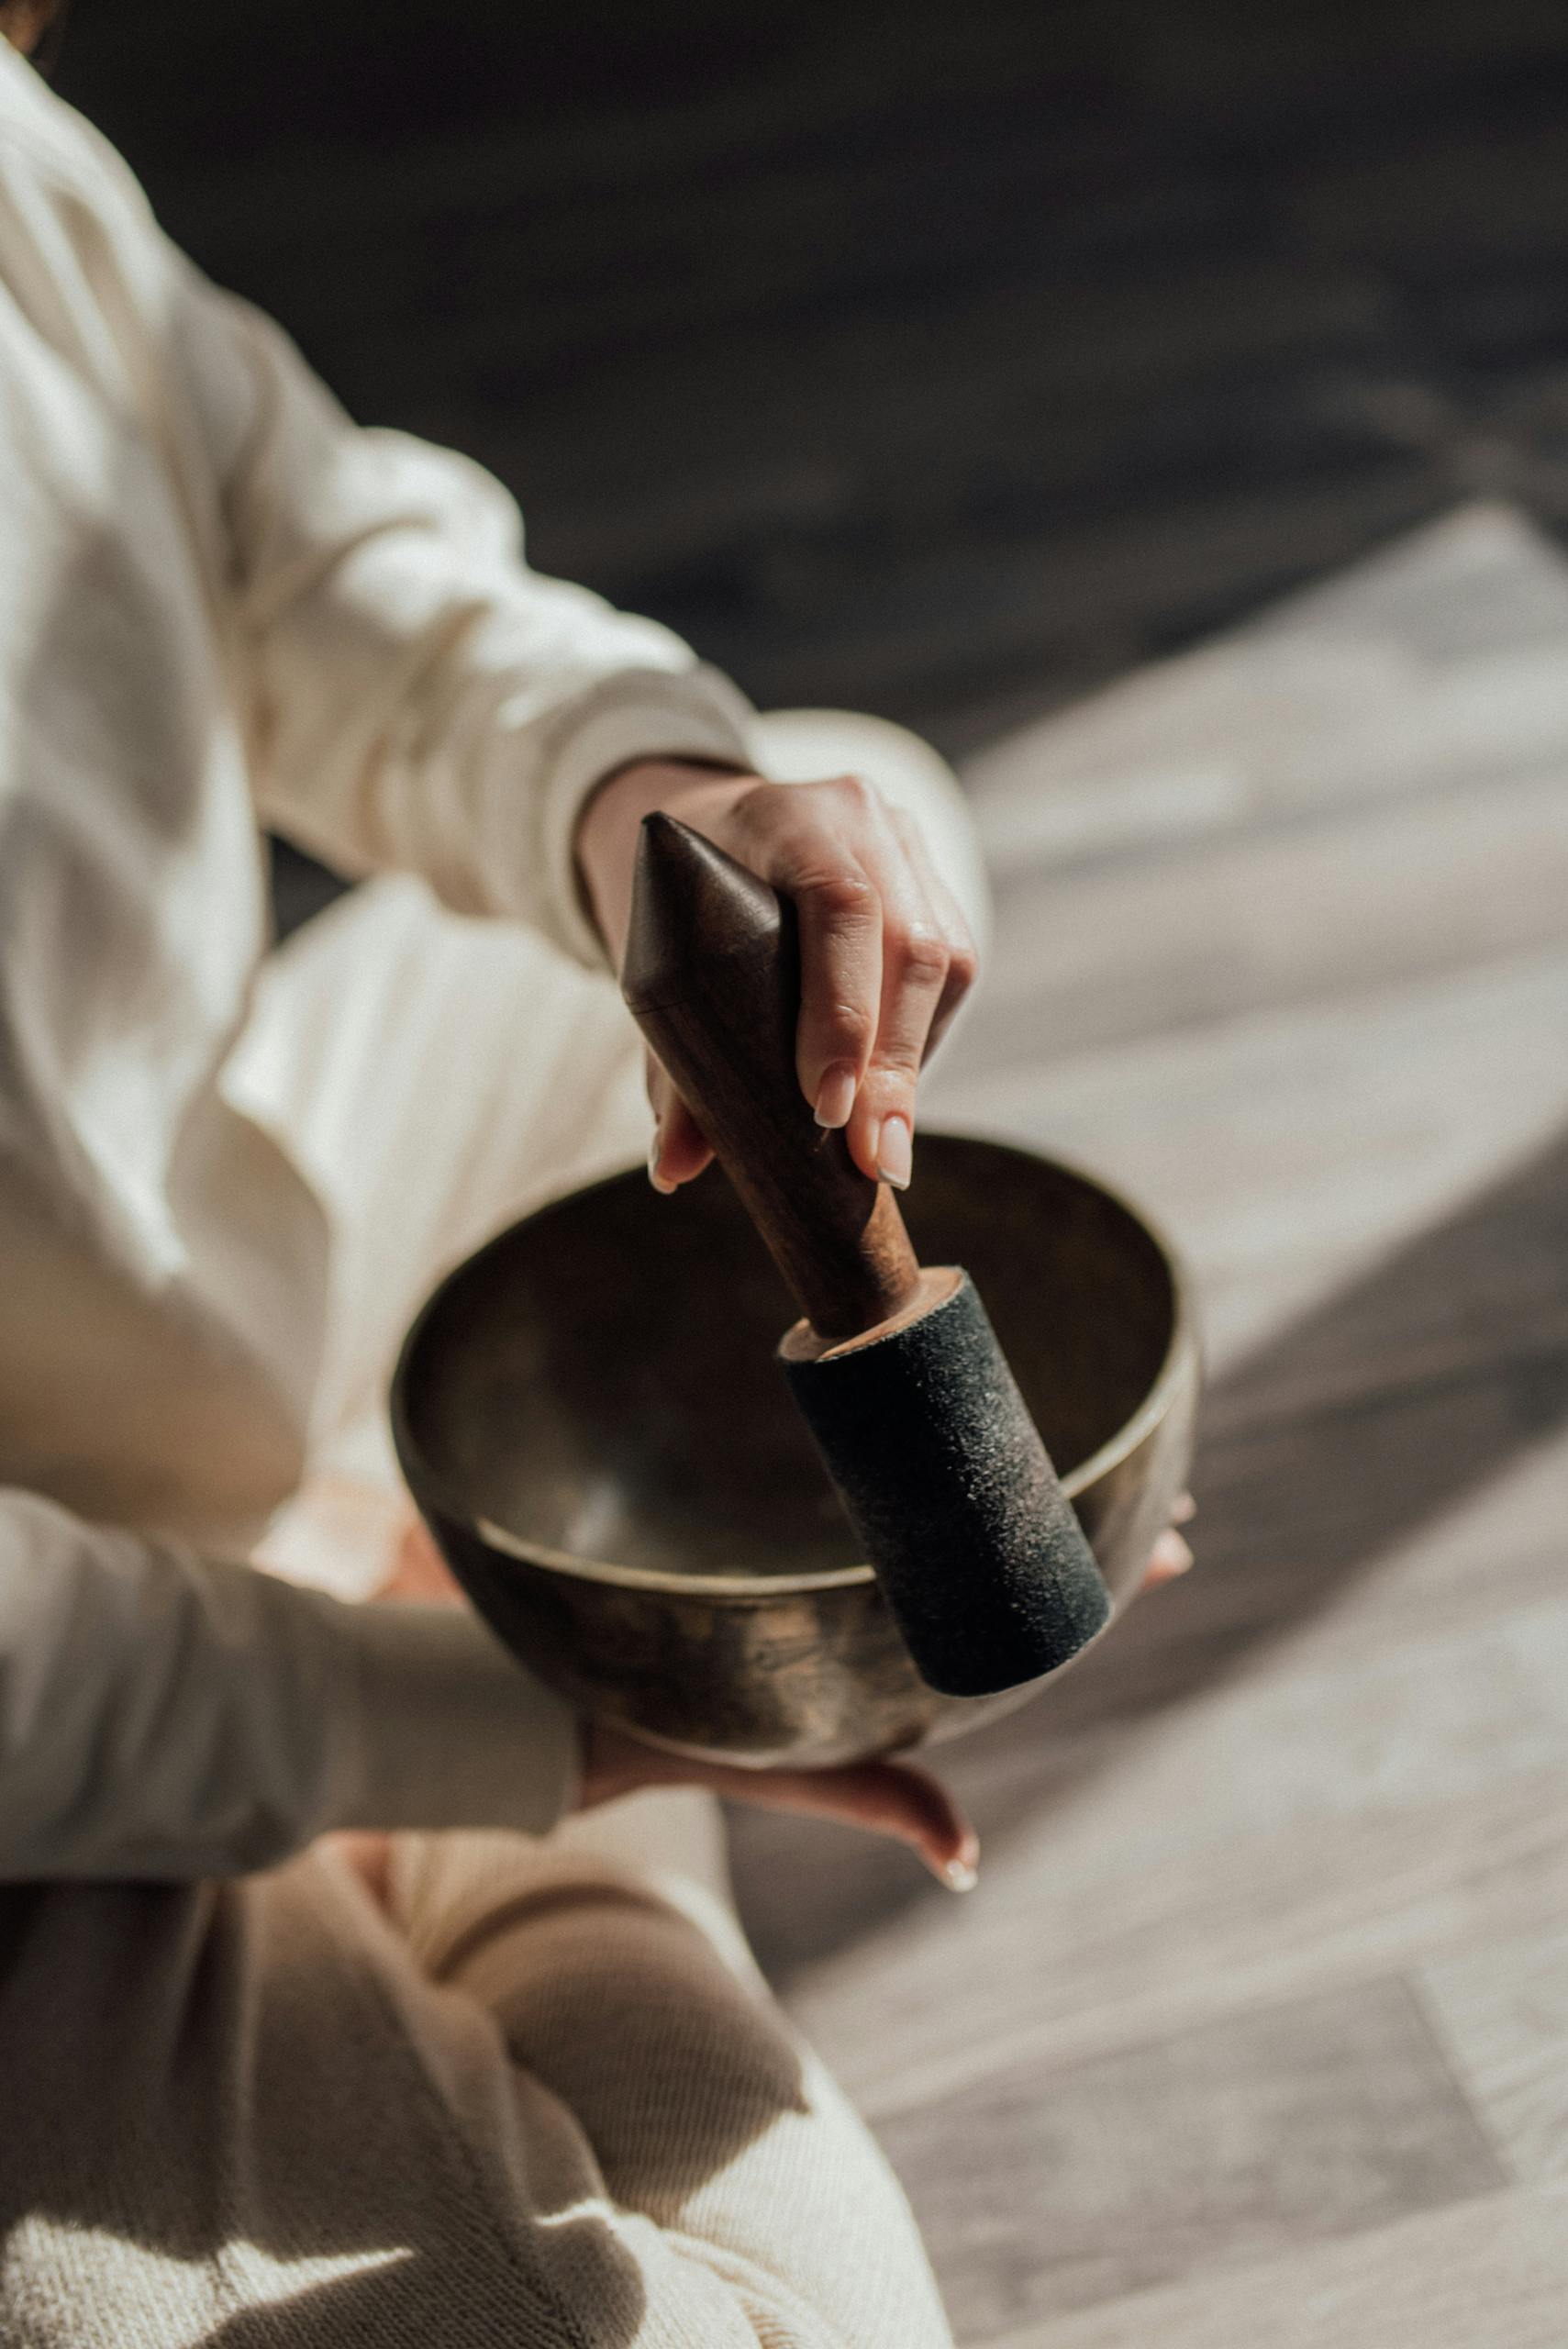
(884, 1798)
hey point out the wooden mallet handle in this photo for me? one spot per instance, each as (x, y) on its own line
(712, 976)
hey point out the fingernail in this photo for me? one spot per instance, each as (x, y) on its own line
(896, 1152)
(663, 1188)
(960, 1877)
(1183, 1508)
(836, 1094)
(1173, 1553)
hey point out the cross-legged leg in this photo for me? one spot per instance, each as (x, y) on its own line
(545, 2105)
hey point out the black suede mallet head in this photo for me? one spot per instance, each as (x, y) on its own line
(896, 1371)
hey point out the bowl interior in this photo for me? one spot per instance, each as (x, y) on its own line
(599, 1380)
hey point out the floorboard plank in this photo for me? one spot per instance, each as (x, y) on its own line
(1503, 2009)
(1041, 2189)
(1492, 2274)
(1290, 1151)
(1438, 658)
(1322, 911)
(1285, 1832)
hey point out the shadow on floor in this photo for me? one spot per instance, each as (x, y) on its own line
(1367, 1417)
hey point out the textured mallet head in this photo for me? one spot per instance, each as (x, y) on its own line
(945, 1479)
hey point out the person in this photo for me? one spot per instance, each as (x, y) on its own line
(350, 1987)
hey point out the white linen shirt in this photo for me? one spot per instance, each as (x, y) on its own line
(221, 603)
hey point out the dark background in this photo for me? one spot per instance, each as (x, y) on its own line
(941, 359)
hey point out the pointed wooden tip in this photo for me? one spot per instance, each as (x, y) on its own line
(691, 902)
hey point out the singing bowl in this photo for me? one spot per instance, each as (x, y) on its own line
(591, 1422)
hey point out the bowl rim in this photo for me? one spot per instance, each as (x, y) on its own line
(762, 1589)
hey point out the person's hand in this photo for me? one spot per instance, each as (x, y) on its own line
(883, 1797)
(887, 1798)
(886, 956)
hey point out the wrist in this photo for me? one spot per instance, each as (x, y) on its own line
(607, 831)
(612, 1764)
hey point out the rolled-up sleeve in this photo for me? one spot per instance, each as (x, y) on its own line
(164, 1715)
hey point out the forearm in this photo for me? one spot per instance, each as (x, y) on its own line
(697, 791)
(740, 2188)
(165, 1716)
(420, 697)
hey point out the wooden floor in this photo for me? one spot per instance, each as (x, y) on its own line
(1256, 2029)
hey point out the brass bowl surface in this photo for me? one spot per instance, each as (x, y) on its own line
(590, 1419)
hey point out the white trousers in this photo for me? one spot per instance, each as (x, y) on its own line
(548, 2100)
